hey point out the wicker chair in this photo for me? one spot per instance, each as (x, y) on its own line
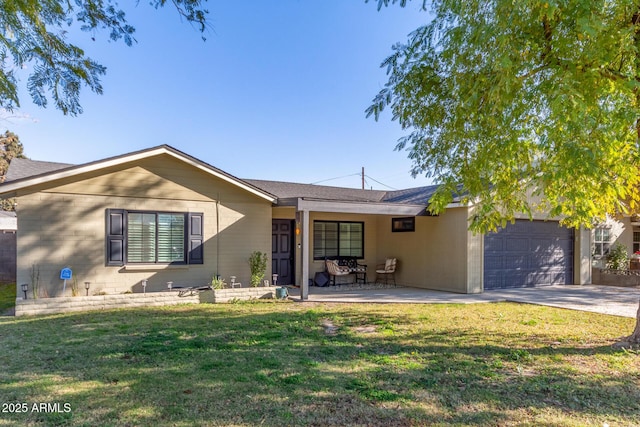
(335, 270)
(387, 271)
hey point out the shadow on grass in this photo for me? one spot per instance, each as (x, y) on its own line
(275, 364)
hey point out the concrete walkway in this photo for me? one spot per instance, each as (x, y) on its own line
(611, 300)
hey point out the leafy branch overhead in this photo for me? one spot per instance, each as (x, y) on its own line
(34, 35)
(522, 106)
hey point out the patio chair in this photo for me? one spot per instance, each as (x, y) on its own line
(386, 271)
(335, 270)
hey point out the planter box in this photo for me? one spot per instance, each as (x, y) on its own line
(151, 299)
(237, 294)
(625, 278)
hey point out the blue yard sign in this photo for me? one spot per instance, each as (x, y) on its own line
(65, 273)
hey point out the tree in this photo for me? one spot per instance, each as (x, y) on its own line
(505, 100)
(10, 148)
(522, 106)
(34, 33)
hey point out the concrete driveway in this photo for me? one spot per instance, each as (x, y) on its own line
(615, 301)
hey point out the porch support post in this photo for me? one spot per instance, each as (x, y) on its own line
(304, 286)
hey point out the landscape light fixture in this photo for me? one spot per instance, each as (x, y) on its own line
(24, 287)
(274, 280)
(86, 287)
(233, 281)
(170, 285)
(144, 286)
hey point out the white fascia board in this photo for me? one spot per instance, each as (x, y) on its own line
(91, 167)
(365, 207)
(360, 207)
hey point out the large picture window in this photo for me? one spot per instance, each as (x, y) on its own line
(337, 238)
(135, 237)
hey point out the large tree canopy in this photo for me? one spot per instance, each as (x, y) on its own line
(522, 106)
(10, 148)
(33, 34)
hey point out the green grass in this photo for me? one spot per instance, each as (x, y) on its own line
(306, 364)
(7, 296)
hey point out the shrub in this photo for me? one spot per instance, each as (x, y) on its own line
(617, 258)
(258, 265)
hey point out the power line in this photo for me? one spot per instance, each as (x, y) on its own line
(385, 185)
(333, 179)
(355, 174)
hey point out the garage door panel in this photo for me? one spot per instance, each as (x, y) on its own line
(516, 262)
(528, 253)
(517, 245)
(496, 244)
(494, 262)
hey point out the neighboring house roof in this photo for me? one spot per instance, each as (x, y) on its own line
(26, 174)
(8, 220)
(23, 168)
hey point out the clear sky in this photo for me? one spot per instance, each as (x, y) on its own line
(277, 91)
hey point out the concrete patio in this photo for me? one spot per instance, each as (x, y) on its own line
(611, 300)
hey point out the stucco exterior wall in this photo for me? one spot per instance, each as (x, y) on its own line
(63, 224)
(620, 231)
(435, 256)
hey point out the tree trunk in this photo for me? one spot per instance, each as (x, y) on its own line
(634, 338)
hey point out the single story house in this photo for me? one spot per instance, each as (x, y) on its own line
(162, 215)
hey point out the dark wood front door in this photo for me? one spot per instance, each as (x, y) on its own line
(282, 251)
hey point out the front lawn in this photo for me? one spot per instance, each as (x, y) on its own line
(309, 364)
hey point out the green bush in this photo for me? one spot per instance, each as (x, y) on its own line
(617, 258)
(258, 265)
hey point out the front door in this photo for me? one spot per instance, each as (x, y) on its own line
(282, 250)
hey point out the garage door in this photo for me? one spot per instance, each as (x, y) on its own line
(528, 253)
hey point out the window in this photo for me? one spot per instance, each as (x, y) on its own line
(153, 237)
(333, 238)
(601, 241)
(403, 224)
(636, 240)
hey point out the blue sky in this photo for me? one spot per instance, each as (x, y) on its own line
(277, 91)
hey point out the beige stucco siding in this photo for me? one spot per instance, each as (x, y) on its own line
(435, 256)
(64, 225)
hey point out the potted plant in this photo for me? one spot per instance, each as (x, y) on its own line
(258, 265)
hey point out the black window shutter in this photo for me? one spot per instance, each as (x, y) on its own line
(195, 239)
(116, 228)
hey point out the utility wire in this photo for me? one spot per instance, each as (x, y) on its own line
(376, 181)
(355, 174)
(338, 177)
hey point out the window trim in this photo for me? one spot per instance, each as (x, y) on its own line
(601, 243)
(116, 238)
(403, 224)
(338, 223)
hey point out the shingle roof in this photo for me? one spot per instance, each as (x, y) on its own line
(285, 190)
(23, 168)
(411, 196)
